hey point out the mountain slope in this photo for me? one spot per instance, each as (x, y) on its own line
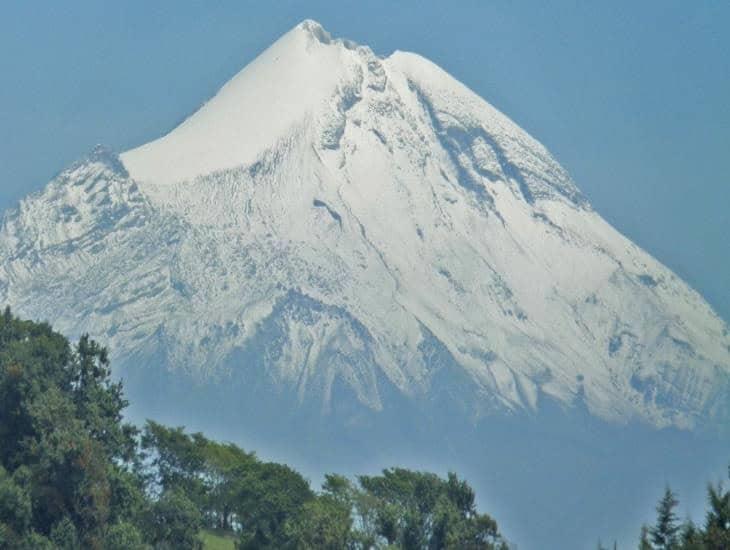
(331, 219)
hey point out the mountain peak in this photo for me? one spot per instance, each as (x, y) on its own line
(304, 88)
(288, 84)
(315, 30)
(341, 240)
(359, 221)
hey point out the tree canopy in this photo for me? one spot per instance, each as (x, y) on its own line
(74, 474)
(66, 456)
(668, 533)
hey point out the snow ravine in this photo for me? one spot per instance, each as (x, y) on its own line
(359, 219)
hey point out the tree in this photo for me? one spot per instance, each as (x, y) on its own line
(74, 475)
(35, 541)
(123, 536)
(64, 535)
(174, 522)
(32, 359)
(417, 510)
(209, 473)
(270, 494)
(61, 431)
(364, 511)
(225, 468)
(406, 502)
(691, 538)
(323, 523)
(15, 509)
(644, 543)
(664, 532)
(175, 460)
(717, 523)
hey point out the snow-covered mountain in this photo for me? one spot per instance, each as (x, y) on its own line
(336, 221)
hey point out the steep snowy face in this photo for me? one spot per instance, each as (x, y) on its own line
(286, 88)
(307, 82)
(332, 219)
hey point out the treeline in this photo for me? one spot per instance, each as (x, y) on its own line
(669, 533)
(74, 475)
(271, 506)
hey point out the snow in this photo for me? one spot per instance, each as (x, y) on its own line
(279, 91)
(362, 217)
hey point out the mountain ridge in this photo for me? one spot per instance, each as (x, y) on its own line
(379, 220)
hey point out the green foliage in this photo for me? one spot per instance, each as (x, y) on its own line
(667, 533)
(691, 538)
(15, 508)
(34, 541)
(270, 494)
(664, 534)
(174, 522)
(321, 523)
(68, 476)
(420, 510)
(73, 475)
(366, 510)
(217, 540)
(644, 543)
(64, 535)
(717, 524)
(61, 431)
(209, 473)
(271, 506)
(123, 536)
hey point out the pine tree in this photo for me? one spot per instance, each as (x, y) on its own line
(717, 524)
(691, 537)
(644, 543)
(664, 535)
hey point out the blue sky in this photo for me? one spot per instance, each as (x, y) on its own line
(631, 97)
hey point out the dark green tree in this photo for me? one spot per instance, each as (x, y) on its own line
(226, 467)
(35, 541)
(61, 432)
(690, 537)
(15, 509)
(644, 543)
(270, 494)
(124, 536)
(664, 534)
(323, 523)
(717, 523)
(64, 535)
(174, 522)
(74, 475)
(175, 459)
(367, 513)
(420, 510)
(209, 473)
